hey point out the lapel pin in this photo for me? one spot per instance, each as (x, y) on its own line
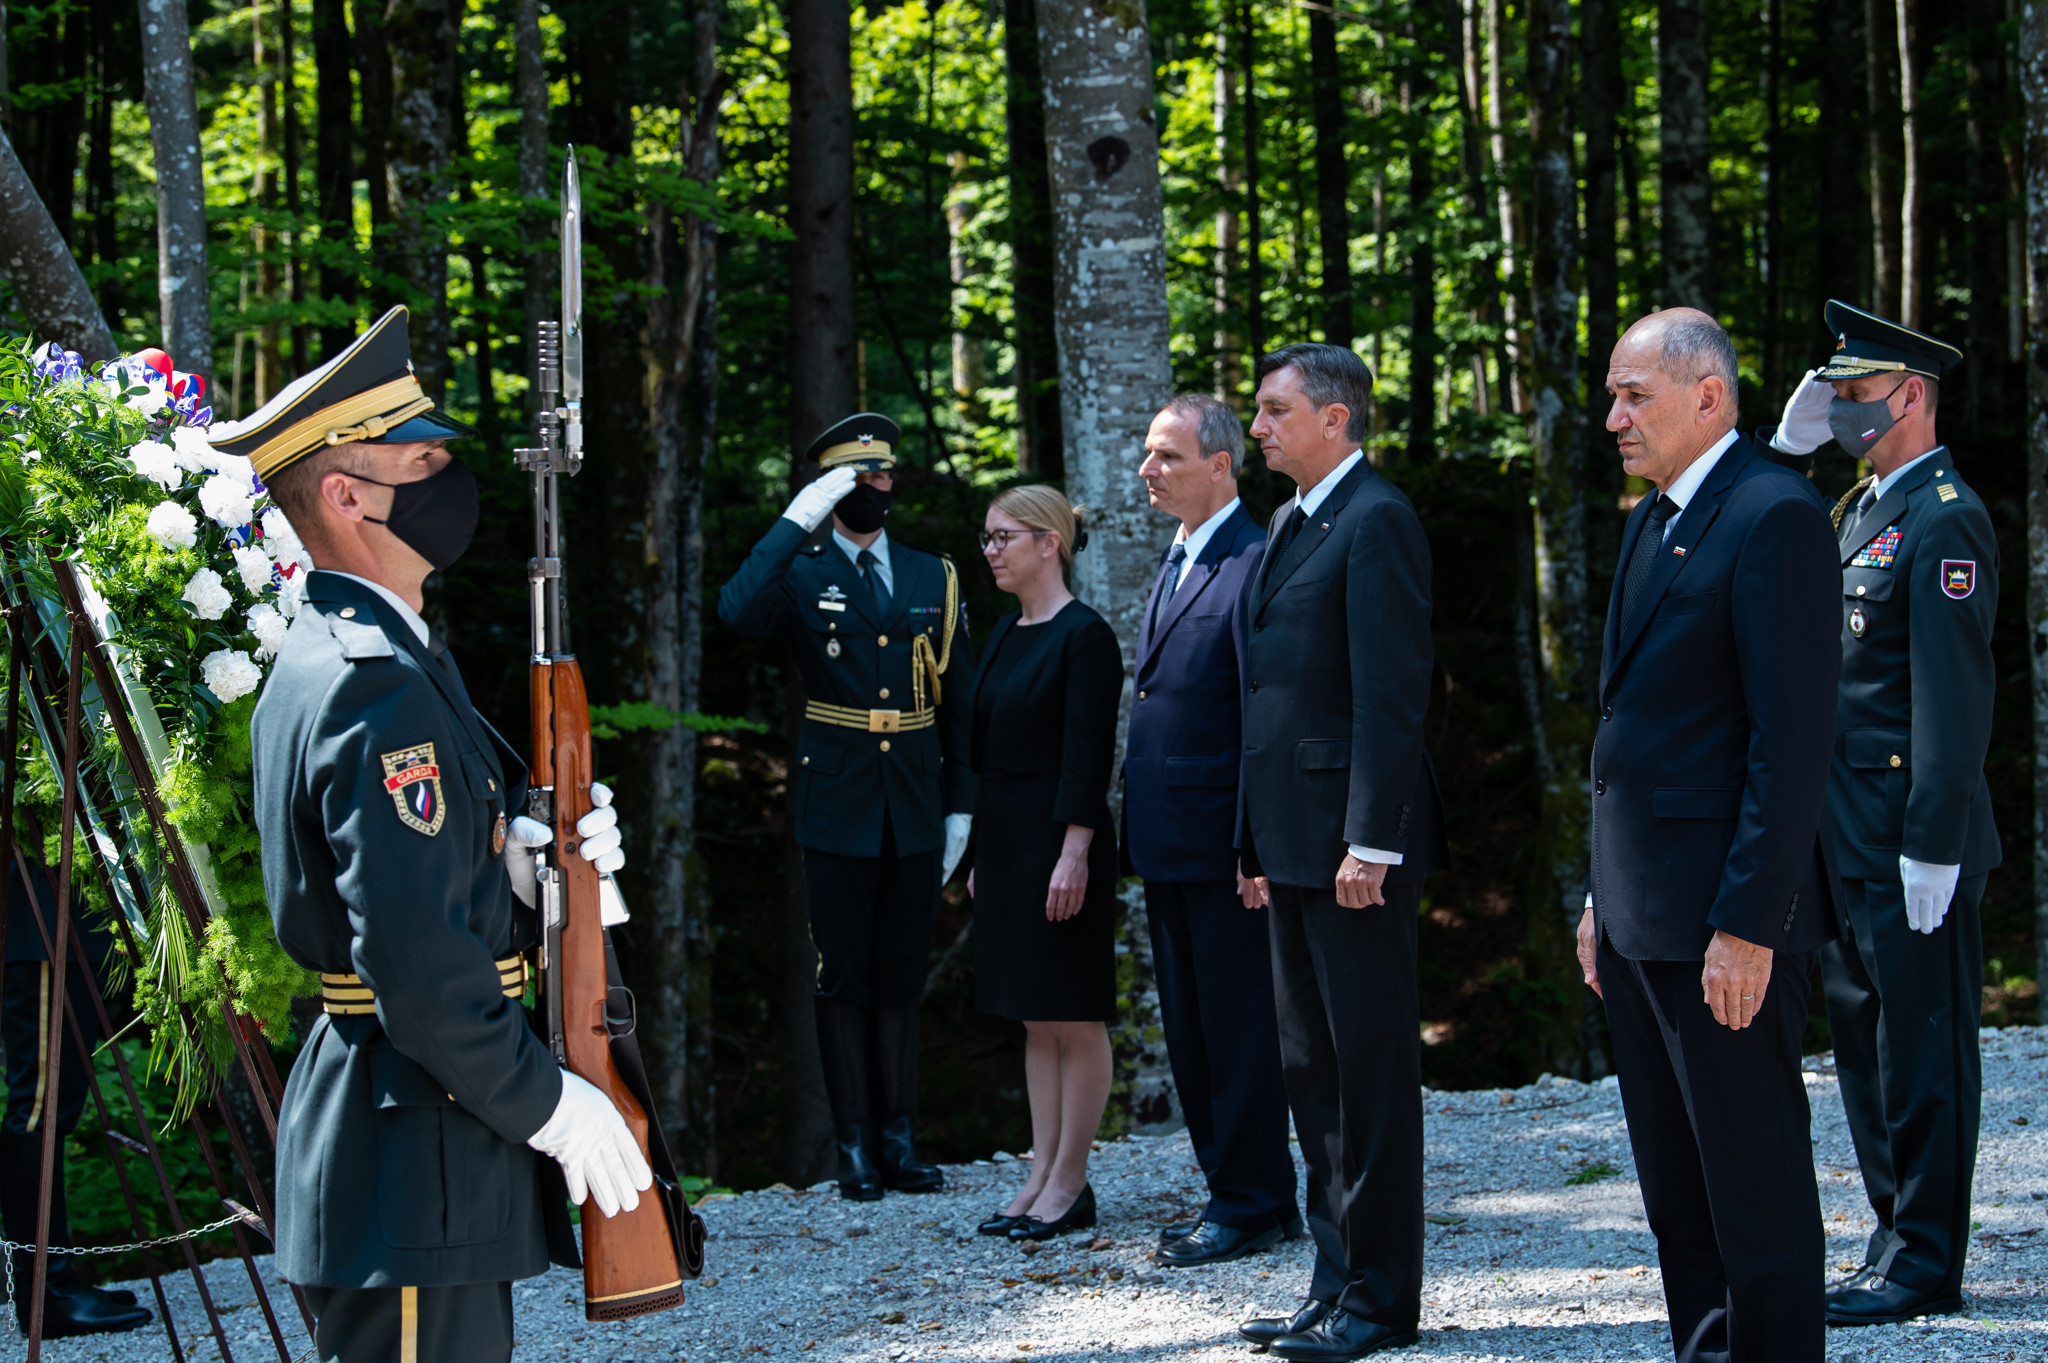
(1326, 525)
(1678, 549)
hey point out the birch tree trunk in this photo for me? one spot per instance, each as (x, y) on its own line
(44, 273)
(1254, 224)
(1515, 361)
(168, 93)
(1687, 163)
(422, 36)
(2033, 61)
(1912, 238)
(1230, 369)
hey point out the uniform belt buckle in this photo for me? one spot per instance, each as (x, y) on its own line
(884, 721)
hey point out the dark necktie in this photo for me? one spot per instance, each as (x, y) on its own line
(1288, 532)
(867, 565)
(1864, 504)
(1169, 583)
(1648, 545)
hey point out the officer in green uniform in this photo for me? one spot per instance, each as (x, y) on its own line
(883, 787)
(1911, 809)
(409, 1193)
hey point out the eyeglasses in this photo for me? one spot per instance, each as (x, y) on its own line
(1001, 538)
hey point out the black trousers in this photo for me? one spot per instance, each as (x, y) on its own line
(1720, 1128)
(871, 920)
(1351, 1047)
(1223, 1041)
(460, 1323)
(1904, 1009)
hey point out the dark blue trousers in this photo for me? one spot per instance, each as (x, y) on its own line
(1209, 955)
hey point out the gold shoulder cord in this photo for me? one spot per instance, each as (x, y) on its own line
(925, 667)
(1849, 500)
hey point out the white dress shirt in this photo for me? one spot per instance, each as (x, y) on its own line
(397, 602)
(880, 549)
(1886, 483)
(1688, 482)
(1199, 541)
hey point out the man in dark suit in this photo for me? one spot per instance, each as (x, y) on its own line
(1180, 817)
(1340, 822)
(1919, 596)
(1712, 879)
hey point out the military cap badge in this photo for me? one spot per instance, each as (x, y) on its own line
(413, 780)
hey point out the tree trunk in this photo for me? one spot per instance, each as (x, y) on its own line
(1599, 111)
(269, 270)
(2033, 62)
(823, 387)
(1415, 93)
(1881, 55)
(288, 97)
(970, 371)
(1687, 165)
(1514, 364)
(1230, 369)
(1558, 457)
(334, 164)
(1912, 231)
(1333, 177)
(182, 278)
(373, 63)
(422, 35)
(1464, 19)
(1034, 339)
(1254, 228)
(536, 235)
(678, 280)
(1771, 243)
(44, 273)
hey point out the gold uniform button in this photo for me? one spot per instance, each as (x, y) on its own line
(885, 693)
(883, 640)
(807, 761)
(885, 745)
(1141, 695)
(1860, 591)
(348, 612)
(1895, 759)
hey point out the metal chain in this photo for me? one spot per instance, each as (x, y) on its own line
(8, 1247)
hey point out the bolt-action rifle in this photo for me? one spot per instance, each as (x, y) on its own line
(635, 1262)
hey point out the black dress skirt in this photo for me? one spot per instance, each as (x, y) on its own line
(1044, 743)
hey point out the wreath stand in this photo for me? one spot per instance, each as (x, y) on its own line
(53, 648)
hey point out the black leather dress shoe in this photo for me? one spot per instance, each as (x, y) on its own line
(1080, 1216)
(1000, 1224)
(901, 1167)
(70, 1307)
(1293, 1228)
(859, 1179)
(1214, 1243)
(1263, 1330)
(1340, 1337)
(1872, 1299)
(1169, 1234)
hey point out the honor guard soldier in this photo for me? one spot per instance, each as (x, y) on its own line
(409, 1194)
(1911, 808)
(883, 785)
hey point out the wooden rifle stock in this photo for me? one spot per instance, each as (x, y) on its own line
(630, 1267)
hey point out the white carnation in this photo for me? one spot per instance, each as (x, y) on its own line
(227, 499)
(279, 539)
(157, 462)
(193, 450)
(150, 401)
(290, 593)
(255, 567)
(173, 526)
(230, 674)
(208, 594)
(269, 628)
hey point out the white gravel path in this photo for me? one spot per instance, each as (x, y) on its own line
(1521, 1264)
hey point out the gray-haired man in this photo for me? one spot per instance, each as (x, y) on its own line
(1180, 819)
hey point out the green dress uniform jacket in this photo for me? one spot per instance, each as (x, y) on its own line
(1919, 593)
(381, 797)
(814, 597)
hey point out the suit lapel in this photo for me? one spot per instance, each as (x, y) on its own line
(1146, 633)
(1888, 508)
(1206, 568)
(1315, 533)
(1685, 537)
(1610, 649)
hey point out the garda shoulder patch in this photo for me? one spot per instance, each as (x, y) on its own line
(413, 779)
(1958, 577)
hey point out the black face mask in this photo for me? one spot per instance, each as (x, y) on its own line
(434, 517)
(864, 509)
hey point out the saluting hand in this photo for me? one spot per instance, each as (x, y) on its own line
(1069, 876)
(1360, 883)
(1737, 974)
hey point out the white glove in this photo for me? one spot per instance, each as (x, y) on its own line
(958, 826)
(815, 502)
(599, 831)
(612, 904)
(522, 835)
(589, 1139)
(1929, 888)
(1804, 427)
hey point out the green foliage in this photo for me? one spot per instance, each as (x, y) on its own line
(1592, 1173)
(637, 716)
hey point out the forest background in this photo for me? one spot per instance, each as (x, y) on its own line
(798, 210)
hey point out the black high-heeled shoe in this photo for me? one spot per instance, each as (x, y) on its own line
(1080, 1216)
(999, 1224)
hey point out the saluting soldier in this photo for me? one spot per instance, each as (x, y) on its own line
(409, 1194)
(1911, 808)
(883, 786)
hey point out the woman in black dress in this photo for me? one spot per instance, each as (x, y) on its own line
(1044, 882)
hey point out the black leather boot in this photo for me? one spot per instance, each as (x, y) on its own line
(70, 1305)
(843, 1047)
(896, 1102)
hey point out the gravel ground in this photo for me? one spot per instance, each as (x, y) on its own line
(1522, 1263)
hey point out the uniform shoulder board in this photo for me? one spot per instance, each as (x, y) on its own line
(360, 638)
(1946, 491)
(813, 549)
